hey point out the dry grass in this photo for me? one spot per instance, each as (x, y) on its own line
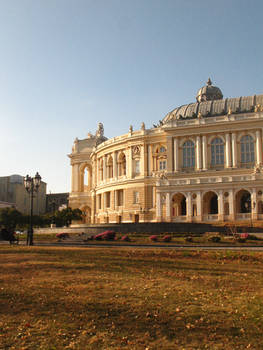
(93, 298)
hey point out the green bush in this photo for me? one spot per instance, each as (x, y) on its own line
(214, 239)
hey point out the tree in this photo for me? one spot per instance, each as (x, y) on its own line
(10, 218)
(65, 216)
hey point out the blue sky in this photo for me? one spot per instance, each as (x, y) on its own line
(66, 65)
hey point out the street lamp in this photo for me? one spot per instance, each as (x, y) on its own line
(31, 185)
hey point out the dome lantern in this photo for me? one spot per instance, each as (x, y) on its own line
(209, 93)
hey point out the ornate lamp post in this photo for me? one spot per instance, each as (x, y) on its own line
(31, 185)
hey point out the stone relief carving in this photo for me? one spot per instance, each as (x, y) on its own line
(257, 169)
(136, 150)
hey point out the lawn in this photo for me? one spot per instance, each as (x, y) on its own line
(124, 298)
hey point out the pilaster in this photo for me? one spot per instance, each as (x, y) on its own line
(176, 154)
(168, 207)
(158, 207)
(258, 148)
(189, 209)
(198, 153)
(228, 151)
(234, 150)
(204, 149)
(220, 206)
(169, 142)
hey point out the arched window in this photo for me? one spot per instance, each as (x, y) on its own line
(110, 167)
(217, 151)
(247, 149)
(160, 158)
(188, 154)
(122, 165)
(101, 169)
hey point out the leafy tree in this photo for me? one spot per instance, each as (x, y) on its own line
(10, 218)
(65, 216)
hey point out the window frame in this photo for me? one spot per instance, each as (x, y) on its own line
(188, 148)
(217, 152)
(247, 149)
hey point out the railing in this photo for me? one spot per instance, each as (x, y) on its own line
(211, 217)
(243, 216)
(179, 218)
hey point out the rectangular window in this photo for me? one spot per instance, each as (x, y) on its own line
(99, 201)
(120, 198)
(162, 164)
(107, 199)
(135, 197)
(137, 167)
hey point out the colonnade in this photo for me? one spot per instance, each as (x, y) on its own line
(228, 205)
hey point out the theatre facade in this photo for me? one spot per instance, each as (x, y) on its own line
(201, 163)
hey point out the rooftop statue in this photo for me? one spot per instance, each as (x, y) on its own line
(100, 134)
(100, 130)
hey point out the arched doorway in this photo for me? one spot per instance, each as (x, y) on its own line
(178, 205)
(260, 207)
(210, 203)
(243, 202)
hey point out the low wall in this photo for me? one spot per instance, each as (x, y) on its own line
(151, 228)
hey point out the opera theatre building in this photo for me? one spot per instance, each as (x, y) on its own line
(201, 163)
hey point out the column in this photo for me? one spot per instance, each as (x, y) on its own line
(94, 172)
(231, 206)
(115, 166)
(234, 150)
(98, 171)
(145, 159)
(142, 163)
(228, 151)
(168, 207)
(176, 154)
(158, 207)
(93, 208)
(72, 178)
(115, 203)
(258, 148)
(150, 159)
(198, 153)
(204, 149)
(129, 162)
(199, 206)
(220, 206)
(105, 175)
(254, 207)
(189, 208)
(169, 142)
(75, 178)
(104, 201)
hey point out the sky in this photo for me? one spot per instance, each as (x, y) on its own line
(66, 65)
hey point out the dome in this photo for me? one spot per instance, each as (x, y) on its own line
(209, 93)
